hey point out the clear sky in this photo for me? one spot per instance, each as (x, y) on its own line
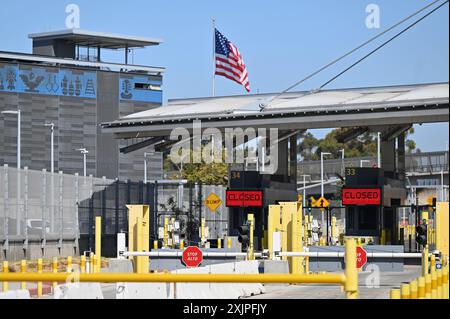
(281, 42)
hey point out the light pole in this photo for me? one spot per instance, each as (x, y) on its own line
(84, 152)
(18, 113)
(52, 146)
(304, 189)
(379, 149)
(321, 171)
(322, 154)
(361, 162)
(52, 170)
(343, 161)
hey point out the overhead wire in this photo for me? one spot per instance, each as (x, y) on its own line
(381, 46)
(352, 51)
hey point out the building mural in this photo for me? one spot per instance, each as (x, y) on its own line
(48, 81)
(140, 88)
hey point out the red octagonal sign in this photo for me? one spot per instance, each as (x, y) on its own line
(361, 257)
(192, 257)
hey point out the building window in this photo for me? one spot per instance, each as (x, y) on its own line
(147, 86)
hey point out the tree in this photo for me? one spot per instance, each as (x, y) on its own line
(208, 174)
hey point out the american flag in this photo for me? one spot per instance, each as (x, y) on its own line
(229, 62)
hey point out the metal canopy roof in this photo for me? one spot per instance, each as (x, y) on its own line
(419, 103)
(96, 39)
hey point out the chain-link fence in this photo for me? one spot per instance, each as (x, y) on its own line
(53, 209)
(39, 209)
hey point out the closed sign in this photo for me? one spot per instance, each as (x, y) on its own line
(244, 199)
(361, 196)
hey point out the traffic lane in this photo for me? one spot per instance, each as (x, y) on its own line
(370, 287)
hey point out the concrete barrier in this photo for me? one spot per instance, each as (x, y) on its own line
(15, 294)
(249, 267)
(78, 291)
(196, 290)
(131, 290)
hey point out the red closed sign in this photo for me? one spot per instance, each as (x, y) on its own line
(244, 199)
(361, 196)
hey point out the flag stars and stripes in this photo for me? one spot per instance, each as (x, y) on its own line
(229, 62)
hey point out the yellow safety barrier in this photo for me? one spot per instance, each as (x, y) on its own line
(23, 269)
(91, 262)
(98, 237)
(433, 285)
(69, 264)
(39, 270)
(428, 287)
(425, 264)
(250, 252)
(83, 264)
(5, 271)
(414, 289)
(351, 272)
(396, 294)
(203, 232)
(348, 280)
(421, 288)
(184, 278)
(405, 291)
(445, 282)
(439, 284)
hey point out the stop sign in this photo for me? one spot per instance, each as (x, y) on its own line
(361, 257)
(192, 257)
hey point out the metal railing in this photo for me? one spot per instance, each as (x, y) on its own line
(348, 280)
(430, 162)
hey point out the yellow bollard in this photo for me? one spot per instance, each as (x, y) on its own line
(445, 282)
(69, 264)
(229, 243)
(39, 285)
(83, 264)
(395, 294)
(425, 256)
(219, 243)
(99, 263)
(433, 284)
(250, 252)
(203, 232)
(98, 236)
(433, 262)
(307, 265)
(91, 262)
(182, 244)
(166, 232)
(421, 287)
(23, 270)
(5, 270)
(155, 245)
(428, 286)
(55, 270)
(405, 291)
(414, 287)
(439, 284)
(351, 272)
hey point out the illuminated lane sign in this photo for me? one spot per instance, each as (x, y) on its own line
(361, 196)
(244, 199)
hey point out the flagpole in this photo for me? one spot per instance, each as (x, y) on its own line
(214, 58)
